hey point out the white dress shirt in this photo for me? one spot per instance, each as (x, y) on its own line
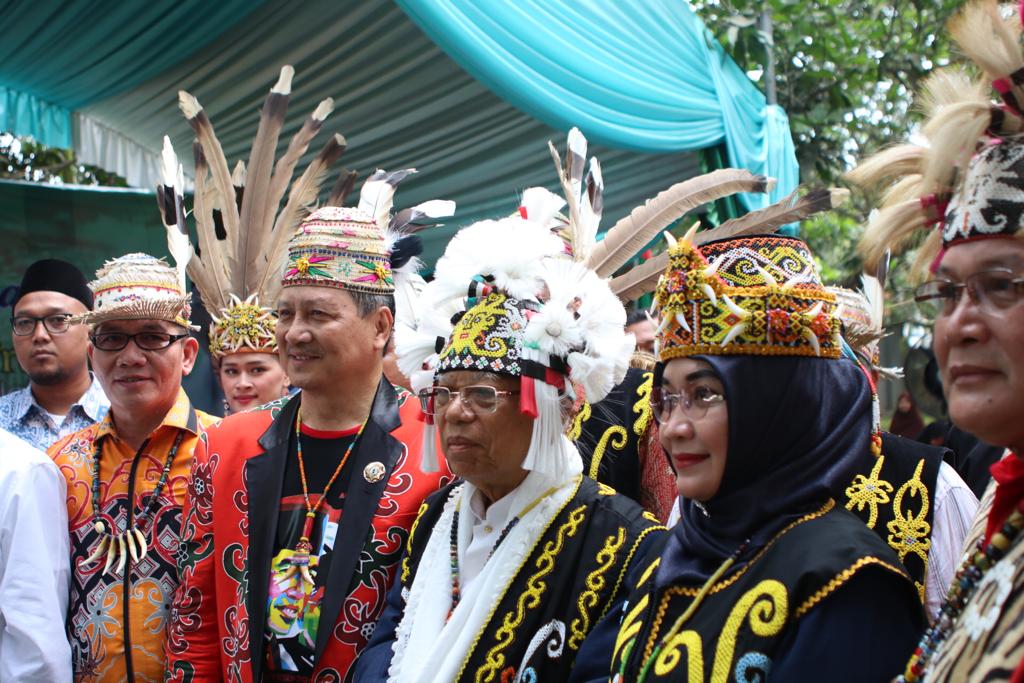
(35, 567)
(955, 508)
(487, 527)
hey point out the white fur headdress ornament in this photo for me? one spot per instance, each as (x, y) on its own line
(506, 300)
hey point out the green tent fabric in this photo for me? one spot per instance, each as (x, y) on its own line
(400, 100)
(59, 56)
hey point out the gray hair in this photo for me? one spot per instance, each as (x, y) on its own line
(367, 303)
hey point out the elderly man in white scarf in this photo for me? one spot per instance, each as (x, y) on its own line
(508, 568)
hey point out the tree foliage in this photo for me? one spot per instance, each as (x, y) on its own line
(22, 158)
(846, 70)
(846, 74)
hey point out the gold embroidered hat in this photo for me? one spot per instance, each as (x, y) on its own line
(757, 295)
(137, 287)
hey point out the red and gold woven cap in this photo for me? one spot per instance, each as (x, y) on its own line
(758, 295)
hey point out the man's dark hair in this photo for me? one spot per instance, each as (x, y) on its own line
(635, 316)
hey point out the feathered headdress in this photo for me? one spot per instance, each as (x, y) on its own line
(967, 181)
(241, 228)
(798, 205)
(246, 240)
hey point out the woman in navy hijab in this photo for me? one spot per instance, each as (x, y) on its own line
(764, 577)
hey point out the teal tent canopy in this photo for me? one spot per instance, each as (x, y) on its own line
(466, 91)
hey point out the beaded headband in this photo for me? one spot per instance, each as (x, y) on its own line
(757, 295)
(243, 327)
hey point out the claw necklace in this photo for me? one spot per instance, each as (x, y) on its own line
(300, 560)
(131, 541)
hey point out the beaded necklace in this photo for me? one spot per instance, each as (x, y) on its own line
(131, 541)
(678, 625)
(454, 543)
(966, 581)
(300, 560)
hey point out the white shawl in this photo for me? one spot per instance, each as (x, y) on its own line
(426, 648)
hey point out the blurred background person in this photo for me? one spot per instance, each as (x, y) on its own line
(62, 396)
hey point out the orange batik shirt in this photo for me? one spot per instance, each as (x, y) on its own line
(117, 619)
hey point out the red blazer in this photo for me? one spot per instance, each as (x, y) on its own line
(219, 615)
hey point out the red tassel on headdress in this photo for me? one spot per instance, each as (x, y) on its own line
(934, 207)
(527, 397)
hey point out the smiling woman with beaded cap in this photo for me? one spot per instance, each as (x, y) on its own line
(509, 331)
(964, 193)
(764, 423)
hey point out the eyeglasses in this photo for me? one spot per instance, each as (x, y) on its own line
(24, 325)
(992, 291)
(695, 406)
(479, 399)
(147, 341)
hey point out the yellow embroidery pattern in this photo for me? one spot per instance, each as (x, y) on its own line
(840, 579)
(530, 598)
(490, 615)
(871, 491)
(576, 428)
(725, 583)
(471, 333)
(628, 559)
(668, 659)
(408, 543)
(604, 489)
(595, 583)
(614, 434)
(908, 531)
(631, 626)
(642, 408)
(765, 607)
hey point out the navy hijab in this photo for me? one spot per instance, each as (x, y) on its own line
(799, 430)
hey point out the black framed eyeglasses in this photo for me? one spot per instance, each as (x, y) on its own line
(24, 325)
(695, 404)
(992, 291)
(147, 341)
(480, 399)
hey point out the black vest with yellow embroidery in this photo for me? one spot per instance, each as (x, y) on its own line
(567, 584)
(896, 500)
(608, 433)
(735, 631)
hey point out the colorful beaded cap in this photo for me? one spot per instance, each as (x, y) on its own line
(137, 287)
(752, 296)
(243, 327)
(488, 337)
(340, 247)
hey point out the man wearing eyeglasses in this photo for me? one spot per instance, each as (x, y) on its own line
(62, 396)
(127, 475)
(969, 194)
